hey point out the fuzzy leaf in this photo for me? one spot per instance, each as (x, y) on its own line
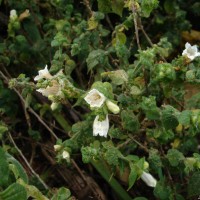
(130, 121)
(169, 119)
(175, 157)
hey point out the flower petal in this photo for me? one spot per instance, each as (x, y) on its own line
(149, 179)
(95, 98)
(100, 127)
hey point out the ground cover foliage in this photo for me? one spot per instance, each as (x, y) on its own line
(99, 99)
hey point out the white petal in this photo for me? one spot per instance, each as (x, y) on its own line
(65, 154)
(149, 179)
(95, 98)
(190, 51)
(44, 73)
(100, 127)
(50, 90)
(13, 14)
(187, 45)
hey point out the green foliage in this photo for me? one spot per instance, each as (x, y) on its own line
(62, 194)
(14, 191)
(130, 121)
(193, 189)
(175, 157)
(132, 53)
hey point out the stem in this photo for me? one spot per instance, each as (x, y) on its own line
(101, 168)
(27, 163)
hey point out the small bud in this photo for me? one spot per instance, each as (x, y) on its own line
(57, 147)
(149, 179)
(114, 108)
(65, 155)
(146, 165)
(54, 106)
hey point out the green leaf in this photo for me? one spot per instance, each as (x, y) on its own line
(130, 121)
(97, 57)
(193, 185)
(132, 176)
(32, 191)
(147, 6)
(184, 117)
(62, 194)
(175, 157)
(111, 6)
(104, 6)
(111, 156)
(18, 170)
(162, 191)
(118, 77)
(117, 6)
(4, 168)
(169, 119)
(150, 108)
(13, 192)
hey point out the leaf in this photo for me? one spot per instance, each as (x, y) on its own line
(118, 77)
(104, 6)
(111, 6)
(17, 169)
(95, 58)
(184, 117)
(132, 176)
(117, 6)
(169, 119)
(92, 23)
(193, 185)
(4, 168)
(175, 157)
(147, 6)
(111, 156)
(162, 191)
(13, 192)
(62, 194)
(130, 121)
(150, 108)
(32, 191)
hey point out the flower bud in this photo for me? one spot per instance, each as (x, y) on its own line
(149, 179)
(57, 147)
(54, 106)
(114, 108)
(65, 155)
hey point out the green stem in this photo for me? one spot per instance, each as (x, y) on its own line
(101, 168)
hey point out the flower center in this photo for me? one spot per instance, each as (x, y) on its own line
(96, 97)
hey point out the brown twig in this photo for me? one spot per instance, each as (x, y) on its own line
(87, 4)
(135, 17)
(27, 163)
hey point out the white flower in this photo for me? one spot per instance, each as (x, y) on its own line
(191, 51)
(95, 98)
(112, 107)
(149, 179)
(66, 155)
(50, 90)
(13, 14)
(100, 127)
(44, 73)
